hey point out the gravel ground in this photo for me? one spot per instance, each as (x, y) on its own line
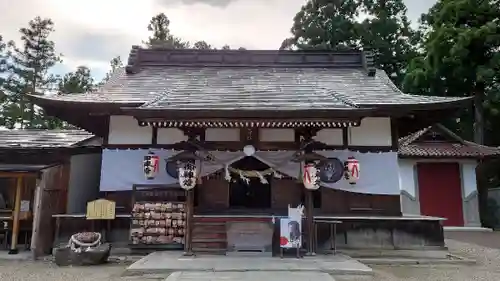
(488, 268)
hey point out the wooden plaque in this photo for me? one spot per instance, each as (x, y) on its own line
(101, 209)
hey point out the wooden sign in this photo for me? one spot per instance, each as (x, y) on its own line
(101, 209)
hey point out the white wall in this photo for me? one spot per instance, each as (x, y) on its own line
(330, 136)
(84, 179)
(373, 131)
(126, 130)
(222, 134)
(169, 136)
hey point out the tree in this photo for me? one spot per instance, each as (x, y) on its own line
(79, 81)
(387, 33)
(29, 66)
(202, 45)
(462, 56)
(325, 24)
(161, 36)
(332, 25)
(3, 66)
(115, 63)
(3, 72)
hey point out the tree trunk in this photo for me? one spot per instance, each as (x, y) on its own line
(478, 114)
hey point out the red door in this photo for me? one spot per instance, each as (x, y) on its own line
(440, 192)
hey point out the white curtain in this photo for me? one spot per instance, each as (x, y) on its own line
(379, 172)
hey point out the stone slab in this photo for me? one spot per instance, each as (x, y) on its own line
(249, 276)
(168, 262)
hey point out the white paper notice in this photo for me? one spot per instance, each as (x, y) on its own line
(25, 206)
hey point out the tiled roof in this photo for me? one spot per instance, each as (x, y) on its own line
(272, 89)
(414, 146)
(41, 138)
(249, 80)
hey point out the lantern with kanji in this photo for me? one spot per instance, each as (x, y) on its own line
(188, 174)
(150, 165)
(188, 169)
(310, 176)
(351, 172)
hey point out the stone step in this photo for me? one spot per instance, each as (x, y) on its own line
(210, 245)
(212, 251)
(209, 235)
(209, 223)
(209, 240)
(209, 228)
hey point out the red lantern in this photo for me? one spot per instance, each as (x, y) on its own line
(310, 177)
(351, 170)
(151, 165)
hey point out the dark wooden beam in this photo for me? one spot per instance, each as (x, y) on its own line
(394, 134)
(154, 135)
(345, 138)
(238, 146)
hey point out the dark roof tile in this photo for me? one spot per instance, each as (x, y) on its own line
(30, 138)
(414, 146)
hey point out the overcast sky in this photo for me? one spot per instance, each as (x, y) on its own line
(92, 32)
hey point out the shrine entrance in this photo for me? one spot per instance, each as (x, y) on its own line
(251, 194)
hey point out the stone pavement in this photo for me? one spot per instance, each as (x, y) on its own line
(167, 262)
(249, 276)
(486, 239)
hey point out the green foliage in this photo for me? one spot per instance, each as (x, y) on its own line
(29, 67)
(3, 67)
(325, 24)
(334, 25)
(461, 58)
(115, 63)
(202, 45)
(161, 36)
(79, 81)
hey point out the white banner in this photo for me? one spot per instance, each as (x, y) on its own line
(121, 169)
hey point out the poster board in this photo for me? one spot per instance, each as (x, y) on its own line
(290, 233)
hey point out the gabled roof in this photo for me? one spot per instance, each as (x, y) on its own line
(31, 138)
(439, 142)
(197, 81)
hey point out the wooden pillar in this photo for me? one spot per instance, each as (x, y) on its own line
(189, 222)
(310, 222)
(37, 203)
(17, 210)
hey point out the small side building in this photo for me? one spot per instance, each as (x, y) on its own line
(39, 171)
(437, 172)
